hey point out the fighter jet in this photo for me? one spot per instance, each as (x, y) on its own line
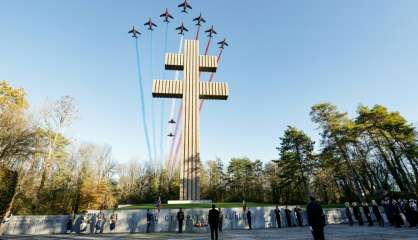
(182, 29)
(150, 24)
(135, 33)
(172, 121)
(211, 31)
(199, 20)
(223, 43)
(170, 135)
(167, 16)
(185, 5)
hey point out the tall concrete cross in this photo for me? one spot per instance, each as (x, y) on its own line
(191, 89)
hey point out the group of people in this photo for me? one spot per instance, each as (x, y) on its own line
(84, 221)
(396, 211)
(297, 213)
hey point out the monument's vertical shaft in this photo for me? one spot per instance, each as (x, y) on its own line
(191, 90)
(190, 132)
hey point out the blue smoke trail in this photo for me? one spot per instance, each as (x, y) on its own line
(163, 102)
(141, 89)
(154, 139)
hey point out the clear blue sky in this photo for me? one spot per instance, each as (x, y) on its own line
(284, 56)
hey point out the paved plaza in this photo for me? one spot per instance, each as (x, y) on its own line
(333, 232)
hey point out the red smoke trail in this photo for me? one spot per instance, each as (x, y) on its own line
(197, 33)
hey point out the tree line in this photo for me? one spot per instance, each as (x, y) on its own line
(44, 171)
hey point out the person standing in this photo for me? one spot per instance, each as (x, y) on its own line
(377, 214)
(277, 215)
(113, 219)
(413, 205)
(298, 213)
(288, 216)
(409, 213)
(249, 219)
(357, 214)
(180, 219)
(387, 209)
(348, 213)
(221, 219)
(397, 214)
(213, 222)
(70, 222)
(149, 220)
(366, 211)
(316, 219)
(100, 218)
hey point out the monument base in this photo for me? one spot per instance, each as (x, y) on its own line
(189, 201)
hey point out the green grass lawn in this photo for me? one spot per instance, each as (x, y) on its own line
(220, 205)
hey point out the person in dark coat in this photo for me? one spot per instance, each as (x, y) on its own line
(277, 215)
(413, 205)
(396, 214)
(213, 222)
(113, 219)
(357, 214)
(249, 219)
(299, 219)
(70, 223)
(180, 219)
(409, 214)
(149, 220)
(288, 216)
(366, 211)
(348, 214)
(316, 219)
(377, 214)
(387, 208)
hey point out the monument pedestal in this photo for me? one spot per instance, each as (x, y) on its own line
(189, 202)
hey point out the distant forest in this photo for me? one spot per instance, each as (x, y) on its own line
(42, 171)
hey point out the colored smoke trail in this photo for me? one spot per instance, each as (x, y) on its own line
(163, 123)
(153, 122)
(172, 110)
(197, 33)
(141, 89)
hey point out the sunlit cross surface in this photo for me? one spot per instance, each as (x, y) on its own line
(191, 90)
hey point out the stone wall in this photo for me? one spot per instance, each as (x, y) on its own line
(164, 221)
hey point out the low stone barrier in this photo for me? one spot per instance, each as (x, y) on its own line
(29, 224)
(163, 221)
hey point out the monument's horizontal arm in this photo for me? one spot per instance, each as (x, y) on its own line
(167, 88)
(208, 63)
(174, 61)
(213, 90)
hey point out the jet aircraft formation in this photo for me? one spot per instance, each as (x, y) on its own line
(167, 18)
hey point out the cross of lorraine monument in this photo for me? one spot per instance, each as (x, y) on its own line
(191, 90)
